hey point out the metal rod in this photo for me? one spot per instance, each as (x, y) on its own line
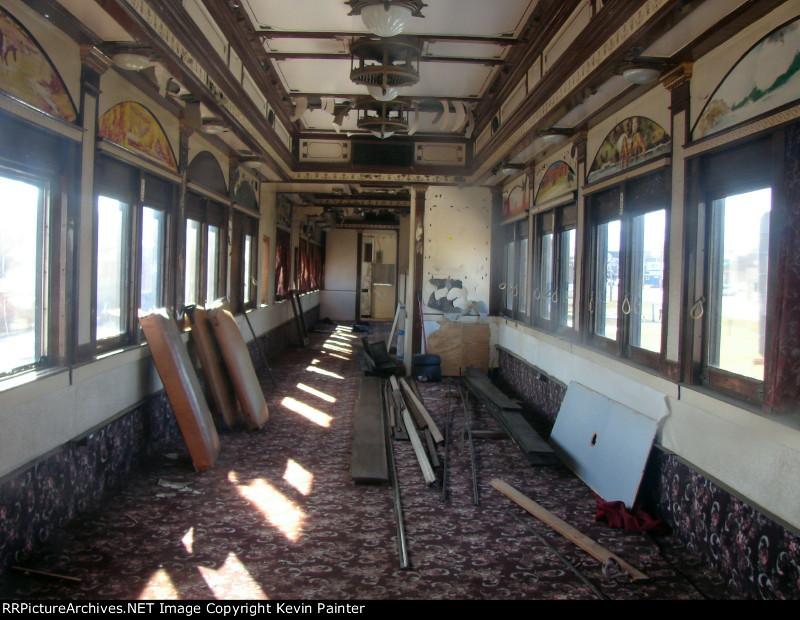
(446, 444)
(260, 349)
(398, 507)
(560, 556)
(468, 430)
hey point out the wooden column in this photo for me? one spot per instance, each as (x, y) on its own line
(94, 63)
(419, 264)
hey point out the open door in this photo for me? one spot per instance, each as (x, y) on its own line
(377, 275)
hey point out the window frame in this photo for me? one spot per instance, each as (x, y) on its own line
(132, 187)
(512, 234)
(745, 166)
(623, 202)
(208, 213)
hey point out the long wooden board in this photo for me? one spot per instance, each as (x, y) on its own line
(369, 460)
(562, 527)
(182, 387)
(416, 404)
(419, 450)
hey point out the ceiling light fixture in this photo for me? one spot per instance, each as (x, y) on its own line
(384, 66)
(212, 126)
(382, 118)
(130, 61)
(386, 18)
(644, 70)
(509, 169)
(252, 162)
(555, 135)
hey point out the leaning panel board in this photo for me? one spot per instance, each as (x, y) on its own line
(219, 382)
(182, 387)
(369, 461)
(240, 367)
(604, 442)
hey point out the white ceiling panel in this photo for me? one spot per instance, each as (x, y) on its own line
(464, 50)
(305, 75)
(447, 79)
(97, 20)
(474, 17)
(308, 46)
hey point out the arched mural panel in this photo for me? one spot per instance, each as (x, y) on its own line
(133, 126)
(558, 180)
(515, 197)
(205, 170)
(27, 74)
(765, 78)
(635, 140)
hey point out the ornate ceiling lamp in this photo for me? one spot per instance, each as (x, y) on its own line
(384, 66)
(386, 18)
(382, 118)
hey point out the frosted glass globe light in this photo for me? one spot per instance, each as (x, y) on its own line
(385, 22)
(381, 94)
(384, 135)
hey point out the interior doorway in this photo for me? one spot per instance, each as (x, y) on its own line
(377, 275)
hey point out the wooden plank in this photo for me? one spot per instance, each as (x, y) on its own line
(400, 403)
(475, 346)
(416, 404)
(446, 343)
(565, 529)
(369, 461)
(482, 386)
(419, 450)
(535, 449)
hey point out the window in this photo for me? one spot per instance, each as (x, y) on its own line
(23, 286)
(733, 293)
(282, 254)
(131, 218)
(626, 268)
(243, 261)
(514, 286)
(204, 250)
(554, 281)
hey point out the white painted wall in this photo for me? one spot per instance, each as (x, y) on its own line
(756, 456)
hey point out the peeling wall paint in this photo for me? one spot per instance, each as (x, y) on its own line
(457, 250)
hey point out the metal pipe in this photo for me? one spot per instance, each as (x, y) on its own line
(398, 507)
(468, 431)
(446, 444)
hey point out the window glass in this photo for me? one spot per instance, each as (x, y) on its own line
(112, 261)
(511, 260)
(647, 279)
(546, 276)
(192, 262)
(606, 292)
(523, 268)
(21, 256)
(738, 282)
(248, 280)
(212, 263)
(567, 271)
(152, 260)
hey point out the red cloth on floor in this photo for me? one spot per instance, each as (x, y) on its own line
(637, 520)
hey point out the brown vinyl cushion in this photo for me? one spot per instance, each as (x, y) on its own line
(182, 387)
(214, 370)
(240, 368)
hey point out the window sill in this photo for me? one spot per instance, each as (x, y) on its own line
(18, 389)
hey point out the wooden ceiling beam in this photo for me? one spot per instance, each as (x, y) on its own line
(491, 62)
(432, 38)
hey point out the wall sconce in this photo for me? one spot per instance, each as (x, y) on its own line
(554, 135)
(644, 70)
(386, 18)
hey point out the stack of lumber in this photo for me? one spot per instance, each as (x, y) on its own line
(509, 415)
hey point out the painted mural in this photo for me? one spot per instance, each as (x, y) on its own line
(635, 140)
(132, 126)
(558, 180)
(28, 75)
(515, 198)
(765, 78)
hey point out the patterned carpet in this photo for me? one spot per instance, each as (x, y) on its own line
(279, 518)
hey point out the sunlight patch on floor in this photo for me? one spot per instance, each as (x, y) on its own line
(322, 371)
(232, 580)
(160, 586)
(188, 541)
(279, 511)
(298, 476)
(307, 411)
(310, 390)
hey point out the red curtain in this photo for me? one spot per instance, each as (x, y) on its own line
(783, 366)
(282, 262)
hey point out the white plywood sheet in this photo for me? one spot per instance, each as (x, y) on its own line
(604, 442)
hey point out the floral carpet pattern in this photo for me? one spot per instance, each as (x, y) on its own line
(278, 517)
